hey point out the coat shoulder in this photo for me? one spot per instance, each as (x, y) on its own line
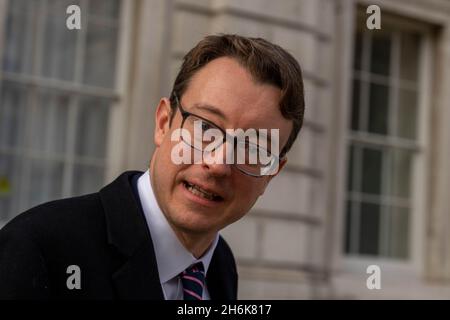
(57, 216)
(226, 257)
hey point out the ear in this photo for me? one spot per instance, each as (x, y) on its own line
(162, 119)
(269, 178)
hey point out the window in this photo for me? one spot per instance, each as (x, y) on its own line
(56, 90)
(383, 142)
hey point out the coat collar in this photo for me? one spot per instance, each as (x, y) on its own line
(138, 277)
(222, 278)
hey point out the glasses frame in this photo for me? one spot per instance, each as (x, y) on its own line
(185, 114)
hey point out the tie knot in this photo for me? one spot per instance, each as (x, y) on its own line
(193, 279)
(196, 268)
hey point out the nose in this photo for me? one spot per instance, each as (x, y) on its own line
(216, 162)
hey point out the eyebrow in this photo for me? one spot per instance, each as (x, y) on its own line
(211, 109)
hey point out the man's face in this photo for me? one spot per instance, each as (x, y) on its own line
(225, 93)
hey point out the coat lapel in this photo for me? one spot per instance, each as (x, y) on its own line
(222, 276)
(137, 277)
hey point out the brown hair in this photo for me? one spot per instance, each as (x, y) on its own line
(267, 63)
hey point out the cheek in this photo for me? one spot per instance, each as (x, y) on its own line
(166, 169)
(165, 151)
(247, 193)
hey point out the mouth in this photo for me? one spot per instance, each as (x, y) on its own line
(202, 193)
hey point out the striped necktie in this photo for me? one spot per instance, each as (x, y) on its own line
(193, 279)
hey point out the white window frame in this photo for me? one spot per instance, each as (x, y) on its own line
(116, 94)
(118, 116)
(358, 264)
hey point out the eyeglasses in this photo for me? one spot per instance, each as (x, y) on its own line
(248, 157)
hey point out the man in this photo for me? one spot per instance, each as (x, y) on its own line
(156, 235)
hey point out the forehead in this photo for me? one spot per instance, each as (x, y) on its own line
(227, 86)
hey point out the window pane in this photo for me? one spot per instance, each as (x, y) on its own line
(409, 56)
(381, 54)
(60, 6)
(21, 6)
(401, 173)
(50, 122)
(356, 105)
(357, 63)
(104, 8)
(399, 233)
(369, 229)
(407, 114)
(12, 114)
(87, 179)
(351, 169)
(378, 108)
(9, 178)
(59, 48)
(92, 126)
(100, 56)
(371, 175)
(19, 39)
(349, 227)
(46, 181)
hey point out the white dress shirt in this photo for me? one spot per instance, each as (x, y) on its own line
(171, 256)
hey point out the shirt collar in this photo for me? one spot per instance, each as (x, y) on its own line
(171, 256)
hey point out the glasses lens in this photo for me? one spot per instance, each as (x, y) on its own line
(204, 136)
(252, 159)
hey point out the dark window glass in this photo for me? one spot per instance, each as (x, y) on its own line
(380, 54)
(378, 108)
(369, 229)
(371, 175)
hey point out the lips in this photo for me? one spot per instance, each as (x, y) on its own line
(201, 192)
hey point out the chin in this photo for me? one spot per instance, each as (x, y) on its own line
(192, 228)
(193, 223)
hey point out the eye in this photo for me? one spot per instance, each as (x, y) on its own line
(206, 126)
